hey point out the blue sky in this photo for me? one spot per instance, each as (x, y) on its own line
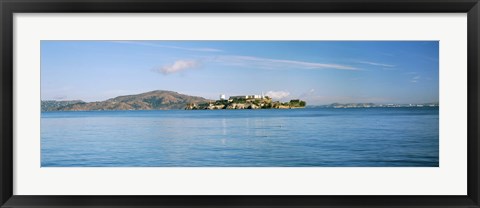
(319, 72)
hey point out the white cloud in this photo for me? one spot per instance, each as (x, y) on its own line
(178, 66)
(277, 94)
(266, 63)
(377, 64)
(167, 46)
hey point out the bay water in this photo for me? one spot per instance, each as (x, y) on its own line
(310, 137)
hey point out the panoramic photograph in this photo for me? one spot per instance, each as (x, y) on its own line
(139, 103)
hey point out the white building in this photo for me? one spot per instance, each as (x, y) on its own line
(222, 96)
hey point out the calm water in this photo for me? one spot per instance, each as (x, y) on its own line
(366, 137)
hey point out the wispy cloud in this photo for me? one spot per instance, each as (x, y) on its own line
(277, 94)
(248, 61)
(415, 79)
(266, 63)
(142, 43)
(376, 64)
(309, 94)
(178, 66)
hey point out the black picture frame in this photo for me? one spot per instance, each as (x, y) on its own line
(9, 7)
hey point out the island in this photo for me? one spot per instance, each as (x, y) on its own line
(246, 102)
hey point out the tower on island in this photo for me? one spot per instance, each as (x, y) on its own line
(222, 96)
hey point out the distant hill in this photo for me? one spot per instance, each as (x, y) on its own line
(154, 100)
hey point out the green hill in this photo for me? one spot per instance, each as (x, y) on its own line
(154, 100)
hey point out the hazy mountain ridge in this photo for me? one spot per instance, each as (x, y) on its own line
(373, 105)
(154, 100)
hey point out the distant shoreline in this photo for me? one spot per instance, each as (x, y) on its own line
(282, 109)
(170, 100)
